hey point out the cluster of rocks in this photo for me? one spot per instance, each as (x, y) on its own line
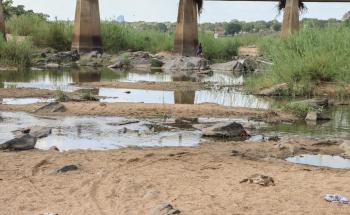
(243, 65)
(26, 139)
(48, 59)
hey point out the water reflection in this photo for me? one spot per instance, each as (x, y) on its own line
(181, 97)
(64, 79)
(221, 97)
(338, 127)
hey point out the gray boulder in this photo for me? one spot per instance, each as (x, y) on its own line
(51, 108)
(21, 142)
(315, 116)
(230, 130)
(35, 131)
(180, 63)
(232, 66)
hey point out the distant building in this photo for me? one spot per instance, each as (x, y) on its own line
(120, 19)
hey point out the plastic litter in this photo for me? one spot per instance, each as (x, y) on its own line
(336, 198)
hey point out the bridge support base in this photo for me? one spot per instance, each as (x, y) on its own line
(87, 27)
(2, 20)
(186, 38)
(290, 18)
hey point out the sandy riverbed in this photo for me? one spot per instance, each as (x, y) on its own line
(201, 180)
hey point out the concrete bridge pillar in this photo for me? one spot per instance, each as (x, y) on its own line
(2, 20)
(290, 18)
(186, 38)
(87, 27)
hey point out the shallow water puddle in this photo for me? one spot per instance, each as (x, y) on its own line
(99, 133)
(321, 161)
(221, 97)
(24, 101)
(338, 127)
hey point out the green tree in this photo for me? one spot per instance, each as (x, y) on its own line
(233, 28)
(11, 10)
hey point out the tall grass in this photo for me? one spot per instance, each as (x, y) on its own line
(306, 59)
(15, 53)
(224, 48)
(117, 37)
(56, 34)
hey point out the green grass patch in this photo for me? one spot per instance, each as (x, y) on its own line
(306, 59)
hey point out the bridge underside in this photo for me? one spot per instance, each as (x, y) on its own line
(87, 32)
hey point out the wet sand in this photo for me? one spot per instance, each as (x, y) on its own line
(197, 181)
(168, 86)
(160, 110)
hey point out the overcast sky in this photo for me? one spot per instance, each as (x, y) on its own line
(166, 10)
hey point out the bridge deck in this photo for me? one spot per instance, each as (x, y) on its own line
(320, 1)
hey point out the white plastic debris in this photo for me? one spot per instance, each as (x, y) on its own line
(336, 198)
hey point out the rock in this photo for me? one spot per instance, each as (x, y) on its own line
(35, 131)
(156, 63)
(165, 209)
(157, 127)
(124, 122)
(315, 116)
(21, 142)
(118, 64)
(54, 148)
(232, 66)
(180, 63)
(274, 138)
(314, 103)
(51, 108)
(276, 90)
(64, 169)
(250, 65)
(262, 180)
(40, 132)
(52, 66)
(184, 120)
(225, 130)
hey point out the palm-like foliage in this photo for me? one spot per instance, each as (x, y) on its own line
(200, 5)
(282, 5)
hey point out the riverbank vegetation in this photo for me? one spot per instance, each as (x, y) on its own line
(305, 60)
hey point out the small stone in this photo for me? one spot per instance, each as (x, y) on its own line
(165, 209)
(64, 169)
(259, 179)
(54, 148)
